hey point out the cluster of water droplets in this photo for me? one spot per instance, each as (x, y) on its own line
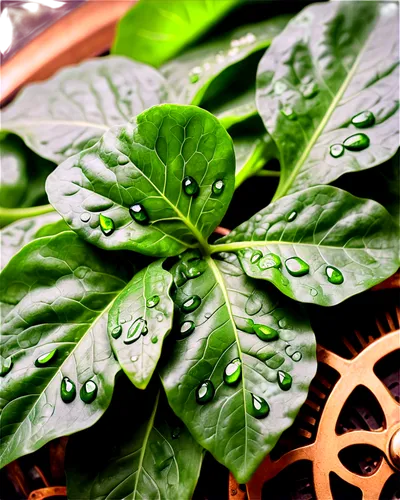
(355, 142)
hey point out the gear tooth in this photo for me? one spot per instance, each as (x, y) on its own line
(350, 347)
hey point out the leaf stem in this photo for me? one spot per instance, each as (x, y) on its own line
(8, 215)
(268, 173)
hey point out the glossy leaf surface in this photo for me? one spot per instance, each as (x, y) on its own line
(325, 227)
(228, 425)
(144, 305)
(21, 232)
(332, 62)
(154, 457)
(144, 164)
(13, 173)
(73, 109)
(153, 32)
(193, 73)
(58, 290)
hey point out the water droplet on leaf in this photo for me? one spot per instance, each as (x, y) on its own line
(139, 214)
(138, 328)
(122, 160)
(88, 391)
(334, 275)
(256, 256)
(205, 392)
(284, 380)
(190, 186)
(5, 365)
(85, 217)
(191, 304)
(265, 332)
(336, 150)
(152, 301)
(289, 113)
(116, 332)
(356, 142)
(159, 317)
(291, 217)
(363, 119)
(269, 261)
(187, 328)
(68, 390)
(233, 372)
(309, 90)
(297, 267)
(154, 340)
(296, 356)
(44, 359)
(218, 187)
(260, 406)
(134, 359)
(106, 225)
(176, 432)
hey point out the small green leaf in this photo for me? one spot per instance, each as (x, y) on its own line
(13, 173)
(334, 62)
(237, 416)
(149, 452)
(72, 110)
(299, 241)
(139, 320)
(139, 168)
(58, 290)
(153, 32)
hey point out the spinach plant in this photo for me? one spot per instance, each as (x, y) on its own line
(127, 282)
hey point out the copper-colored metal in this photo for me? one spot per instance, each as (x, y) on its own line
(392, 282)
(16, 476)
(41, 475)
(57, 457)
(85, 32)
(52, 491)
(324, 451)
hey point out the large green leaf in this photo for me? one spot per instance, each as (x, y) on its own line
(143, 166)
(73, 109)
(345, 245)
(153, 31)
(333, 61)
(58, 290)
(21, 232)
(152, 458)
(204, 70)
(139, 320)
(239, 108)
(230, 308)
(13, 173)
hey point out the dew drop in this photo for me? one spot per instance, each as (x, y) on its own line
(159, 317)
(138, 328)
(309, 90)
(334, 275)
(282, 323)
(253, 304)
(296, 356)
(260, 406)
(313, 292)
(289, 113)
(205, 392)
(256, 256)
(139, 214)
(336, 150)
(269, 261)
(85, 217)
(218, 187)
(122, 160)
(207, 315)
(265, 332)
(284, 380)
(257, 217)
(233, 372)
(154, 340)
(187, 328)
(134, 359)
(244, 324)
(363, 119)
(176, 432)
(152, 301)
(5, 365)
(106, 225)
(191, 304)
(190, 186)
(291, 217)
(116, 332)
(297, 267)
(68, 390)
(356, 142)
(44, 359)
(88, 391)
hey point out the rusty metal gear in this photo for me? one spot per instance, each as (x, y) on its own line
(322, 441)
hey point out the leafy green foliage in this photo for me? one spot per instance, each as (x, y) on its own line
(223, 330)
(59, 290)
(73, 109)
(326, 229)
(14, 178)
(153, 32)
(157, 458)
(139, 320)
(316, 79)
(143, 166)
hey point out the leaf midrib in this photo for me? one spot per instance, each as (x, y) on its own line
(16, 124)
(300, 162)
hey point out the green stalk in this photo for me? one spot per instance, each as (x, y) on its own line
(8, 215)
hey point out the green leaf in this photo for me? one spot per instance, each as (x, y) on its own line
(153, 31)
(220, 330)
(333, 61)
(21, 232)
(236, 110)
(154, 457)
(142, 166)
(201, 72)
(139, 320)
(13, 173)
(327, 229)
(73, 109)
(58, 290)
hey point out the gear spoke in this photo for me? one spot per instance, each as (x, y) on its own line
(373, 438)
(390, 407)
